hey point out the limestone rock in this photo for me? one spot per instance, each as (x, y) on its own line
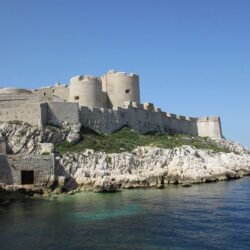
(24, 138)
(46, 148)
(152, 167)
(143, 167)
(73, 137)
(72, 131)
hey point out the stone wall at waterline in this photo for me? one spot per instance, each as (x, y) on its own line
(12, 166)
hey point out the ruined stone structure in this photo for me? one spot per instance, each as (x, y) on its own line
(104, 104)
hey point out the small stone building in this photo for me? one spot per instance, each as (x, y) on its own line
(26, 169)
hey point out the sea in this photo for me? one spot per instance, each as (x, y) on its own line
(206, 216)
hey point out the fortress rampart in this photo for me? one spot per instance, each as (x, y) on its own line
(109, 120)
(104, 104)
(32, 113)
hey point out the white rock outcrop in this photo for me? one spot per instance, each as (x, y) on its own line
(151, 167)
(27, 139)
(143, 167)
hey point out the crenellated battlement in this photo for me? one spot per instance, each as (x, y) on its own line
(207, 119)
(82, 78)
(104, 103)
(120, 73)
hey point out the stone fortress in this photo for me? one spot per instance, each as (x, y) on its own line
(104, 104)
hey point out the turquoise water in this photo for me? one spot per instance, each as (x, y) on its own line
(208, 216)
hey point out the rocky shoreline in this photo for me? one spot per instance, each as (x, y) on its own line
(150, 167)
(143, 167)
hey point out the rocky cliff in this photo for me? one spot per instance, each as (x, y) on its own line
(144, 166)
(151, 167)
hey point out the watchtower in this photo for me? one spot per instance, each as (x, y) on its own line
(120, 87)
(86, 90)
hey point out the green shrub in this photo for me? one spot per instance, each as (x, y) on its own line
(127, 139)
(45, 153)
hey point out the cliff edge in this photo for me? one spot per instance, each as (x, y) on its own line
(125, 159)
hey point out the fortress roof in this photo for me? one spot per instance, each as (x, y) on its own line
(14, 91)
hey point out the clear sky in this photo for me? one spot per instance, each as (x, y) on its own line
(193, 56)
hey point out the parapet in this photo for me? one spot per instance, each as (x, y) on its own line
(127, 104)
(157, 110)
(60, 85)
(111, 72)
(14, 91)
(148, 106)
(192, 119)
(180, 117)
(170, 115)
(209, 119)
(82, 78)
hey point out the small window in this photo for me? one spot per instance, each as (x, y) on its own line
(76, 98)
(27, 177)
(44, 93)
(127, 91)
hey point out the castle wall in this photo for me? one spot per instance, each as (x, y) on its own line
(143, 118)
(106, 104)
(11, 167)
(58, 112)
(120, 87)
(209, 127)
(15, 100)
(180, 124)
(110, 120)
(5, 171)
(45, 94)
(61, 91)
(14, 91)
(31, 113)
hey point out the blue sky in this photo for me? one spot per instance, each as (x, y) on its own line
(193, 56)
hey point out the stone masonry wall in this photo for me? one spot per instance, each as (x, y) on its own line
(109, 120)
(30, 113)
(143, 118)
(58, 112)
(209, 127)
(16, 100)
(11, 167)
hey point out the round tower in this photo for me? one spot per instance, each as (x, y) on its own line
(86, 90)
(121, 87)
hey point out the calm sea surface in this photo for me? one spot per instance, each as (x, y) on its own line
(208, 216)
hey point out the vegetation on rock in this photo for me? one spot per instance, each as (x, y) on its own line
(127, 139)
